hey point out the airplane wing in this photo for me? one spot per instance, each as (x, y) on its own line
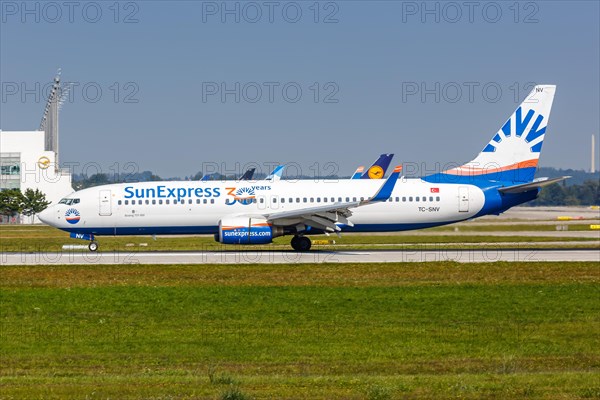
(248, 175)
(536, 184)
(325, 217)
(276, 174)
(379, 167)
(358, 173)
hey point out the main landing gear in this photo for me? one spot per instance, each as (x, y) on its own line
(93, 246)
(301, 243)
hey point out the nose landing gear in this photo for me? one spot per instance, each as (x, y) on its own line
(93, 246)
(301, 243)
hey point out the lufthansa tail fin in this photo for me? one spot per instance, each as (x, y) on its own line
(379, 167)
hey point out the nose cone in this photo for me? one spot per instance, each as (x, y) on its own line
(45, 216)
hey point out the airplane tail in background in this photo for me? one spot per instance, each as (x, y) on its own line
(513, 153)
(358, 173)
(379, 167)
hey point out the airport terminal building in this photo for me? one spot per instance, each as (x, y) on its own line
(29, 159)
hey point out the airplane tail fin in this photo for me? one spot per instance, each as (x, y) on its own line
(276, 174)
(358, 173)
(248, 175)
(379, 167)
(512, 154)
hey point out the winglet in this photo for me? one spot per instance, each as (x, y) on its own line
(358, 173)
(385, 191)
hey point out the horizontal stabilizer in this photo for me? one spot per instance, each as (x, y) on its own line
(536, 184)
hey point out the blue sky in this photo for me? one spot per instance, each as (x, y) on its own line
(162, 67)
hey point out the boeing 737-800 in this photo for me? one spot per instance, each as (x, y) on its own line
(242, 212)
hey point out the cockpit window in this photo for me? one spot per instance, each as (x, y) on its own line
(68, 201)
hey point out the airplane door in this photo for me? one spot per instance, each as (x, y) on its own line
(463, 199)
(274, 203)
(105, 203)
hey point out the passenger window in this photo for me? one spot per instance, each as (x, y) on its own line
(403, 198)
(212, 201)
(274, 199)
(126, 202)
(262, 200)
(304, 200)
(347, 199)
(437, 198)
(118, 202)
(417, 198)
(190, 201)
(204, 201)
(410, 198)
(340, 199)
(424, 198)
(397, 199)
(160, 201)
(291, 200)
(174, 201)
(318, 199)
(283, 200)
(362, 198)
(430, 198)
(167, 201)
(312, 199)
(197, 201)
(354, 199)
(153, 201)
(147, 202)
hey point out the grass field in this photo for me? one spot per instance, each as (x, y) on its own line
(366, 331)
(47, 239)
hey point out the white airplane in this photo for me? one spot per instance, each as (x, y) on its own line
(245, 212)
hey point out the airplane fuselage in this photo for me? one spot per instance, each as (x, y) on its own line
(192, 207)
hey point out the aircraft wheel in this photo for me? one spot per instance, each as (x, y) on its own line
(93, 246)
(301, 243)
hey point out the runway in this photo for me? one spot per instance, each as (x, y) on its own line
(290, 257)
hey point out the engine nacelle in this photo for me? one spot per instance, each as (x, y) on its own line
(246, 230)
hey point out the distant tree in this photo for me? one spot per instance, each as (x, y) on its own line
(11, 202)
(552, 195)
(34, 202)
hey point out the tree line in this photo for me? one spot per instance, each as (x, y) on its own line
(14, 203)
